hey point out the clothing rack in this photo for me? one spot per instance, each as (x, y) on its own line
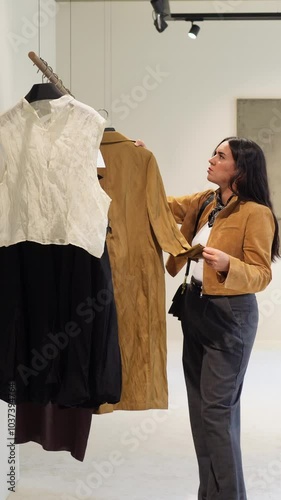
(48, 72)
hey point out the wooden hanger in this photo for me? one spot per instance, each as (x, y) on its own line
(52, 90)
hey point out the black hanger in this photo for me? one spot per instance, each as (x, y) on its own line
(41, 91)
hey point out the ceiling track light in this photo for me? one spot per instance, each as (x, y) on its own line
(162, 14)
(242, 16)
(161, 11)
(159, 22)
(194, 30)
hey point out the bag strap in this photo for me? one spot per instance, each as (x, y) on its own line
(202, 208)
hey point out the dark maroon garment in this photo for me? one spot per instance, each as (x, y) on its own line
(54, 428)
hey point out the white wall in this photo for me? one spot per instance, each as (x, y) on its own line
(183, 111)
(19, 34)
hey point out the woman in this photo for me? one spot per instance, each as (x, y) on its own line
(239, 232)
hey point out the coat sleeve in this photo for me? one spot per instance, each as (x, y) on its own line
(178, 207)
(253, 274)
(161, 219)
(185, 210)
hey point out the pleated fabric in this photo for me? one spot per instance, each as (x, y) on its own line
(59, 336)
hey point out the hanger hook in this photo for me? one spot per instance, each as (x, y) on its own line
(105, 111)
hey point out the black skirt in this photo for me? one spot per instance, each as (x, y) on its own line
(59, 337)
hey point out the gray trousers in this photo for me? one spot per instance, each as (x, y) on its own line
(219, 333)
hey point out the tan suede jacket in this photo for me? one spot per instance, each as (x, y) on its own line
(243, 229)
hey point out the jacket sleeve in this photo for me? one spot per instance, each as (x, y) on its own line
(161, 219)
(178, 207)
(253, 274)
(187, 207)
(185, 210)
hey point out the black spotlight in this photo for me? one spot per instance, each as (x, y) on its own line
(161, 11)
(194, 30)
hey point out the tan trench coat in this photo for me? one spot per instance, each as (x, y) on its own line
(142, 225)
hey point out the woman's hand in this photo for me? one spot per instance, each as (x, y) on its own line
(216, 259)
(140, 143)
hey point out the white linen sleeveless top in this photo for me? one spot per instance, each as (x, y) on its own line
(49, 189)
(201, 237)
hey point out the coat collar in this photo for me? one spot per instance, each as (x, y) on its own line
(111, 137)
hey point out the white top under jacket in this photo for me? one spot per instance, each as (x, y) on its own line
(201, 237)
(49, 189)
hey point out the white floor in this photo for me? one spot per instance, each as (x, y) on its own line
(149, 455)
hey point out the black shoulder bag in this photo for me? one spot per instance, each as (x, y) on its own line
(178, 299)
